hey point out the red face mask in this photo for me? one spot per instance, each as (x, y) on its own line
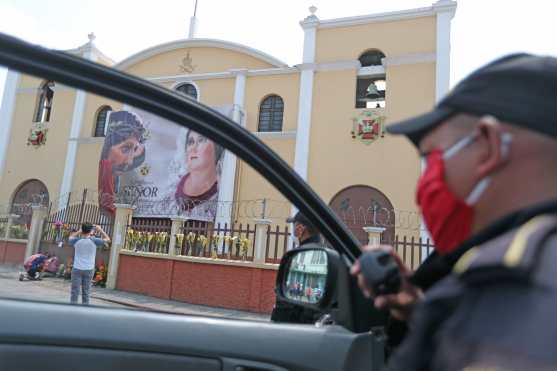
(448, 218)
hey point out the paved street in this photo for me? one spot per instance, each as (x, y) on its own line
(58, 290)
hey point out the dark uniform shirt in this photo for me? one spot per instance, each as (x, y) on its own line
(490, 304)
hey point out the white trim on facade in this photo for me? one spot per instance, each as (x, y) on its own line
(416, 58)
(273, 71)
(371, 71)
(198, 43)
(194, 77)
(338, 66)
(387, 16)
(275, 134)
(6, 116)
(87, 140)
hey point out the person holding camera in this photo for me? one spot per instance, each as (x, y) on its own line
(85, 250)
(486, 298)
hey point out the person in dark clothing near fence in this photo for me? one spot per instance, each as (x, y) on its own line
(487, 298)
(304, 233)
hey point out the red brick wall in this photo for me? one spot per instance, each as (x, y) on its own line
(12, 252)
(145, 276)
(225, 286)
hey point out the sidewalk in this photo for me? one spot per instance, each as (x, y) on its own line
(57, 289)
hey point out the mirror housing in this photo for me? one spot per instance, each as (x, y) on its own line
(307, 276)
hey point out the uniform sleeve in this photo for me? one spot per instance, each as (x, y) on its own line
(98, 241)
(73, 240)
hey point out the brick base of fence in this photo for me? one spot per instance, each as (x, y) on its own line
(12, 252)
(212, 283)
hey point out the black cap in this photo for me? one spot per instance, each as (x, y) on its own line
(520, 89)
(300, 218)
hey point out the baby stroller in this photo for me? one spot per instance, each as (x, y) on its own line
(33, 266)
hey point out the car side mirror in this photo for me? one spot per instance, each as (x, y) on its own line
(307, 276)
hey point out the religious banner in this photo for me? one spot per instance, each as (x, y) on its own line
(163, 169)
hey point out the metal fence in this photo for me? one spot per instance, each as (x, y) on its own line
(223, 241)
(413, 251)
(277, 243)
(67, 213)
(148, 235)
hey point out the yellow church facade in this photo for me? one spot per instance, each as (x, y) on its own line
(325, 116)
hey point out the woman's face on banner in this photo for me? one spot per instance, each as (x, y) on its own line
(200, 152)
(122, 155)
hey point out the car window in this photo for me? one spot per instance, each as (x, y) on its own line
(156, 216)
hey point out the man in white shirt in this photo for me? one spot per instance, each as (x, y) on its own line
(85, 250)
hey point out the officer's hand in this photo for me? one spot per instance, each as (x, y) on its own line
(400, 304)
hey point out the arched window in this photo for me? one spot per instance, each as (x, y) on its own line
(271, 113)
(44, 102)
(188, 89)
(28, 193)
(100, 121)
(371, 85)
(371, 58)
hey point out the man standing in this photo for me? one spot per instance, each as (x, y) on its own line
(486, 299)
(304, 233)
(85, 250)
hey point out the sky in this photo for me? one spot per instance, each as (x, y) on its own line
(481, 30)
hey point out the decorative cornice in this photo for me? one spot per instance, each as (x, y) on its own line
(371, 71)
(409, 59)
(336, 66)
(198, 43)
(441, 6)
(275, 134)
(273, 71)
(87, 140)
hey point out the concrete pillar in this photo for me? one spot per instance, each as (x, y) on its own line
(177, 225)
(261, 226)
(37, 222)
(11, 218)
(374, 235)
(121, 221)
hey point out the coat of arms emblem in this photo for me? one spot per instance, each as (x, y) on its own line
(187, 65)
(368, 126)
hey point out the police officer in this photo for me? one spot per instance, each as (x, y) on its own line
(304, 234)
(486, 299)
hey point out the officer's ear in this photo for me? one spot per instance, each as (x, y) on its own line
(493, 144)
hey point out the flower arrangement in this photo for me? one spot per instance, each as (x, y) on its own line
(161, 239)
(20, 232)
(190, 238)
(204, 241)
(244, 247)
(100, 276)
(216, 240)
(179, 242)
(37, 135)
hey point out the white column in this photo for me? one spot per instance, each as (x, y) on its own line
(261, 226)
(228, 176)
(6, 116)
(75, 132)
(121, 222)
(305, 104)
(445, 10)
